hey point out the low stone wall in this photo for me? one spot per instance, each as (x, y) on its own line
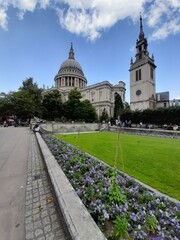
(78, 221)
(149, 132)
(70, 127)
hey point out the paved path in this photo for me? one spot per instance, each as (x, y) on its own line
(14, 143)
(42, 220)
(27, 207)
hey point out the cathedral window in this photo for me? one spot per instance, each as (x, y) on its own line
(151, 73)
(138, 75)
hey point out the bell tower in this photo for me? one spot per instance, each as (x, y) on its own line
(142, 76)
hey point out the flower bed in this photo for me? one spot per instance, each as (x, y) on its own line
(121, 207)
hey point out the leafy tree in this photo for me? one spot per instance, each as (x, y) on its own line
(35, 94)
(104, 116)
(52, 105)
(6, 106)
(126, 106)
(72, 106)
(23, 105)
(118, 106)
(87, 111)
(75, 109)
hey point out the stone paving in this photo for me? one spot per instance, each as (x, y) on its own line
(42, 221)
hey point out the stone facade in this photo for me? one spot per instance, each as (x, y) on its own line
(142, 76)
(162, 100)
(101, 95)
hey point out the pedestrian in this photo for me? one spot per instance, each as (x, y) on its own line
(36, 128)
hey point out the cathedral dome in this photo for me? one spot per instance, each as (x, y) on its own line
(70, 73)
(71, 65)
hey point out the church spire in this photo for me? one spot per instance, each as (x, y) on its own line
(141, 34)
(71, 52)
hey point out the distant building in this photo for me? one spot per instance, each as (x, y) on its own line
(101, 95)
(162, 100)
(174, 103)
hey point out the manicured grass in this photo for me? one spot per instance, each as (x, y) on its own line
(154, 161)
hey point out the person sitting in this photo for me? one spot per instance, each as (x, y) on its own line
(5, 124)
(36, 128)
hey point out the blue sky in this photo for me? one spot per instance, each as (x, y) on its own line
(35, 37)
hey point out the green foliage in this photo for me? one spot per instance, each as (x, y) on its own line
(83, 168)
(75, 110)
(77, 175)
(52, 105)
(24, 106)
(72, 105)
(6, 105)
(178, 215)
(114, 193)
(158, 116)
(120, 228)
(151, 223)
(25, 103)
(118, 106)
(35, 95)
(28, 102)
(89, 192)
(126, 106)
(104, 116)
(146, 197)
(87, 112)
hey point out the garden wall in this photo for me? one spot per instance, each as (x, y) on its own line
(70, 127)
(149, 132)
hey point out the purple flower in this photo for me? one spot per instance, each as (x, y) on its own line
(167, 214)
(133, 217)
(106, 215)
(97, 176)
(89, 180)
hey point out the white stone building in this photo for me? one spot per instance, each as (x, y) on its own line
(101, 95)
(142, 76)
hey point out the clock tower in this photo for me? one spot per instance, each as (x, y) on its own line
(142, 76)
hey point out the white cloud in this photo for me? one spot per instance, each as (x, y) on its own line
(172, 27)
(90, 18)
(26, 5)
(23, 6)
(44, 3)
(3, 19)
(164, 17)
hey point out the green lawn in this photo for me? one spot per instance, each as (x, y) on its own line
(154, 161)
